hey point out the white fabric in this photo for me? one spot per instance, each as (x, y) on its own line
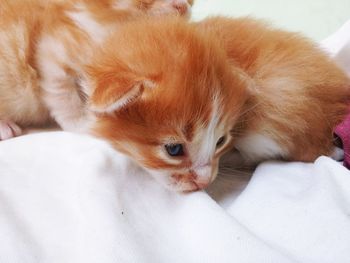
(71, 198)
(338, 45)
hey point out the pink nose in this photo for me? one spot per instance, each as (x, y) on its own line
(201, 185)
(203, 176)
(197, 179)
(180, 6)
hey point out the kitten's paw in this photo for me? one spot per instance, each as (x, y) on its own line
(9, 129)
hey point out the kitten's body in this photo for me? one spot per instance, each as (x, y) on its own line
(159, 91)
(299, 94)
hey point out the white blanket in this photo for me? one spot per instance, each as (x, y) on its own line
(71, 198)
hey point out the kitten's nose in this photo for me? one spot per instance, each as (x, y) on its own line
(203, 176)
(180, 6)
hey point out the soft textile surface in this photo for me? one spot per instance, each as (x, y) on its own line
(71, 198)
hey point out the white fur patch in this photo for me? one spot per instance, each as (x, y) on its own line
(59, 88)
(49, 66)
(257, 147)
(208, 137)
(204, 174)
(85, 21)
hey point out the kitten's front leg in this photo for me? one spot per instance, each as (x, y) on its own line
(61, 95)
(61, 92)
(9, 129)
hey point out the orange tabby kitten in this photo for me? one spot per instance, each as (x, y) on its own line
(298, 97)
(43, 44)
(159, 91)
(169, 103)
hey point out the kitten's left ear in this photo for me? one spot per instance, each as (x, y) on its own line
(112, 92)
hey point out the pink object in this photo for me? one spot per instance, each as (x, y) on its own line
(343, 132)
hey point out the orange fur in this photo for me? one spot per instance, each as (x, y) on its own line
(143, 85)
(300, 95)
(42, 47)
(176, 89)
(19, 84)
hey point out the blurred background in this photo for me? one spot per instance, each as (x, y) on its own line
(315, 18)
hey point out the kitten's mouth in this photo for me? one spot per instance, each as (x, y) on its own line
(194, 189)
(192, 181)
(195, 186)
(201, 186)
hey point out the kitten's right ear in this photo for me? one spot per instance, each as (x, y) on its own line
(249, 82)
(113, 92)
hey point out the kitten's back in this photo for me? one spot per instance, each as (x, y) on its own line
(300, 95)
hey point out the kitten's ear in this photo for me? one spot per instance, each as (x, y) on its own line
(249, 82)
(113, 92)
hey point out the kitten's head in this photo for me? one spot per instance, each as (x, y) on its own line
(157, 7)
(164, 94)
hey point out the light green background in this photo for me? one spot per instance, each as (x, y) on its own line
(316, 18)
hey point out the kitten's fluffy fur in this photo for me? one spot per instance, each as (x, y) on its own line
(140, 85)
(159, 94)
(146, 84)
(299, 94)
(42, 47)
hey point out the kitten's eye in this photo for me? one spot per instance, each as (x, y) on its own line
(175, 149)
(221, 141)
